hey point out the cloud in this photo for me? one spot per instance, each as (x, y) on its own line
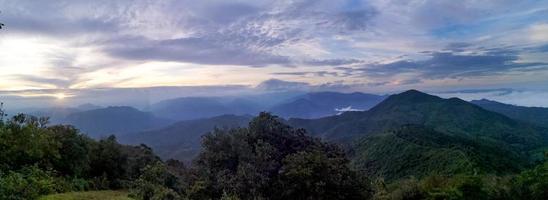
(349, 44)
(281, 85)
(453, 65)
(346, 109)
(332, 62)
(521, 97)
(192, 50)
(304, 74)
(57, 82)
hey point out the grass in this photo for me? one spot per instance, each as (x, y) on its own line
(91, 195)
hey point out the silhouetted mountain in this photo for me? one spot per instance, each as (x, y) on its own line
(534, 115)
(321, 104)
(181, 140)
(113, 120)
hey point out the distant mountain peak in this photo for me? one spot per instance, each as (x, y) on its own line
(88, 106)
(414, 93)
(413, 96)
(281, 85)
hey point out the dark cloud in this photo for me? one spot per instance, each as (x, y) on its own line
(398, 82)
(311, 73)
(281, 85)
(48, 18)
(456, 46)
(221, 33)
(228, 12)
(543, 48)
(193, 50)
(59, 83)
(496, 91)
(455, 65)
(245, 34)
(332, 62)
(356, 19)
(61, 27)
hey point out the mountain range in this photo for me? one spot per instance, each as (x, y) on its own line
(415, 134)
(534, 115)
(453, 116)
(322, 104)
(182, 140)
(309, 105)
(411, 133)
(113, 120)
(406, 134)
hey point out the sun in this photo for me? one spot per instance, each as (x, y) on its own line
(60, 96)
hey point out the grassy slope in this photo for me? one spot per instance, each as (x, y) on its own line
(91, 195)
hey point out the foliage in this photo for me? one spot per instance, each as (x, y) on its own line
(532, 184)
(26, 183)
(37, 159)
(529, 184)
(270, 160)
(419, 151)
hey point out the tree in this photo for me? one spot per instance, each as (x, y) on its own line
(271, 160)
(1, 24)
(107, 160)
(74, 153)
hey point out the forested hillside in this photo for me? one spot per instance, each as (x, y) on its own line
(413, 134)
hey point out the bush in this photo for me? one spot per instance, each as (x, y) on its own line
(27, 183)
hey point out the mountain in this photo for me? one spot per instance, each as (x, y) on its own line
(189, 108)
(321, 104)
(453, 116)
(203, 107)
(113, 120)
(88, 106)
(534, 115)
(56, 114)
(416, 134)
(182, 140)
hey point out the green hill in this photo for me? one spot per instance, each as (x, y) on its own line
(451, 116)
(416, 134)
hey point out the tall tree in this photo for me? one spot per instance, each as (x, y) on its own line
(1, 24)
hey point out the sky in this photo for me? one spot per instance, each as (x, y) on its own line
(71, 49)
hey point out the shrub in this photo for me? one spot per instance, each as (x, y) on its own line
(27, 183)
